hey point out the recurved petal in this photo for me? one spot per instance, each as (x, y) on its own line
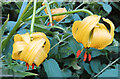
(41, 56)
(24, 37)
(86, 26)
(58, 10)
(29, 53)
(101, 38)
(17, 49)
(18, 37)
(36, 49)
(39, 35)
(75, 27)
(112, 27)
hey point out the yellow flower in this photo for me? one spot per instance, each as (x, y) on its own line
(93, 34)
(31, 48)
(56, 11)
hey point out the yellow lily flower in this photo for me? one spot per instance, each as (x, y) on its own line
(56, 11)
(93, 34)
(31, 48)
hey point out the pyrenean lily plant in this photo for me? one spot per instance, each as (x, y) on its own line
(91, 33)
(34, 47)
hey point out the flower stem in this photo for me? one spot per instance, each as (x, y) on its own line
(60, 42)
(48, 10)
(33, 18)
(69, 12)
(106, 67)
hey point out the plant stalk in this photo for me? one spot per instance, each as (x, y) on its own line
(33, 18)
(69, 12)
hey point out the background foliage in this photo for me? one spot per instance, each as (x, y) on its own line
(61, 61)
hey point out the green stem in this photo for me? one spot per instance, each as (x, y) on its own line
(33, 19)
(48, 10)
(38, 10)
(106, 67)
(60, 42)
(15, 27)
(69, 12)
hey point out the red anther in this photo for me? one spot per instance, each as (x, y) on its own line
(89, 57)
(27, 66)
(48, 23)
(85, 56)
(33, 66)
(78, 53)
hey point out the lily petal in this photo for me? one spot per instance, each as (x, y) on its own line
(30, 52)
(101, 38)
(58, 10)
(24, 37)
(85, 27)
(112, 27)
(17, 49)
(75, 27)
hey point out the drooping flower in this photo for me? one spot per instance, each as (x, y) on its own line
(32, 49)
(91, 33)
(56, 11)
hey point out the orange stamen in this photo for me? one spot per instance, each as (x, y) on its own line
(48, 23)
(78, 53)
(85, 56)
(27, 66)
(89, 57)
(33, 66)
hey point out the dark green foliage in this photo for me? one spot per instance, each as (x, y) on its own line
(61, 60)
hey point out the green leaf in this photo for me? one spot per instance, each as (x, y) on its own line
(30, 11)
(110, 73)
(67, 51)
(117, 29)
(10, 25)
(9, 59)
(71, 62)
(74, 45)
(66, 73)
(96, 53)
(54, 51)
(18, 67)
(19, 4)
(22, 8)
(88, 68)
(106, 7)
(52, 68)
(76, 17)
(2, 29)
(4, 26)
(9, 47)
(95, 65)
(68, 19)
(113, 49)
(23, 74)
